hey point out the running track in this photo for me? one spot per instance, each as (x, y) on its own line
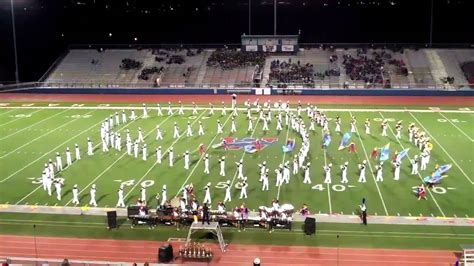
(146, 251)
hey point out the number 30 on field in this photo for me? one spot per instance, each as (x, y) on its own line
(131, 182)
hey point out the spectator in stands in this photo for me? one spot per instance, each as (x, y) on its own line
(284, 73)
(228, 59)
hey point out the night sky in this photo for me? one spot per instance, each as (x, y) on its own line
(45, 27)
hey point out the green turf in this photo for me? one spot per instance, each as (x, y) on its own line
(350, 235)
(27, 142)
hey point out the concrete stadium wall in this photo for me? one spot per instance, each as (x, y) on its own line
(201, 91)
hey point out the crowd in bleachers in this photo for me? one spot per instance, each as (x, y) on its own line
(228, 59)
(371, 67)
(147, 71)
(284, 73)
(365, 68)
(128, 64)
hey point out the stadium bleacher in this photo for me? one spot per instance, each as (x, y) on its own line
(408, 68)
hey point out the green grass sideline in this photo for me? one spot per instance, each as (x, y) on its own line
(350, 235)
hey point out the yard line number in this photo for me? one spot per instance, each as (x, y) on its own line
(21, 115)
(131, 182)
(437, 189)
(441, 120)
(222, 185)
(336, 187)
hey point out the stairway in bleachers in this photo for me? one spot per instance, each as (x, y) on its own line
(436, 67)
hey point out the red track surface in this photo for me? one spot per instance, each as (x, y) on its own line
(142, 251)
(200, 99)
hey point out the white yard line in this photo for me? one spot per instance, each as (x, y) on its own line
(283, 159)
(371, 170)
(11, 121)
(164, 154)
(244, 153)
(7, 112)
(200, 158)
(39, 186)
(40, 136)
(52, 150)
(327, 185)
(164, 108)
(460, 130)
(116, 161)
(419, 175)
(439, 144)
(34, 124)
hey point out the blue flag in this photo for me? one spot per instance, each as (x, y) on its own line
(385, 152)
(402, 154)
(345, 140)
(326, 140)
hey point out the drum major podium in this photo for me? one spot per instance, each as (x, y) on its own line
(213, 227)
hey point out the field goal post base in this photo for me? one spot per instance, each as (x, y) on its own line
(213, 227)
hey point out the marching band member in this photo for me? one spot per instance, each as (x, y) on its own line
(327, 170)
(344, 173)
(362, 172)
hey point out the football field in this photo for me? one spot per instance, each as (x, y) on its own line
(31, 134)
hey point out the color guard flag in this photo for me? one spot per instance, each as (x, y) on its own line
(385, 152)
(402, 154)
(345, 140)
(326, 140)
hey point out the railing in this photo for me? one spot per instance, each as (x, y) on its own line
(244, 85)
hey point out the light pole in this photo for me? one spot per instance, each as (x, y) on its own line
(431, 24)
(275, 17)
(250, 17)
(17, 75)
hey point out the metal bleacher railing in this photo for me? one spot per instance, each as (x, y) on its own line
(286, 86)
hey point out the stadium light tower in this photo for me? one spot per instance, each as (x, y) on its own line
(431, 24)
(17, 75)
(250, 17)
(275, 17)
